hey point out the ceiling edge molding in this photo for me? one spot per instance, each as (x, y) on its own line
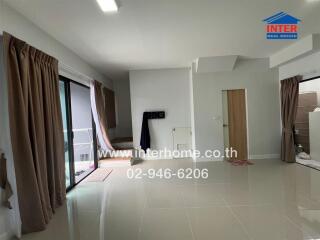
(69, 72)
(299, 49)
(215, 64)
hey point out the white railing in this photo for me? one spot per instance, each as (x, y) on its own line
(78, 146)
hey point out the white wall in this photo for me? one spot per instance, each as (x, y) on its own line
(193, 139)
(14, 23)
(123, 108)
(166, 89)
(308, 66)
(262, 87)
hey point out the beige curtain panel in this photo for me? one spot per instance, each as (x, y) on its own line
(289, 107)
(36, 132)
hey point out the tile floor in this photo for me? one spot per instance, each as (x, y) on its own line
(311, 163)
(269, 200)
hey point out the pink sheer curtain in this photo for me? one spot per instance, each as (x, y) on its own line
(97, 106)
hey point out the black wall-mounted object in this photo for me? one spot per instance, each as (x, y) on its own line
(145, 134)
(156, 115)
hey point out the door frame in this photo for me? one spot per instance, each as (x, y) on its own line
(70, 134)
(247, 115)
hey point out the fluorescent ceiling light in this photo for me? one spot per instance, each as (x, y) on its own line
(108, 5)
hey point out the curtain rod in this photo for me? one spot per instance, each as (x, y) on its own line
(75, 75)
(311, 74)
(305, 75)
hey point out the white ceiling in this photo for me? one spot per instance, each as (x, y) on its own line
(149, 34)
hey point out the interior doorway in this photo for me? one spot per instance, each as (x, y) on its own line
(235, 122)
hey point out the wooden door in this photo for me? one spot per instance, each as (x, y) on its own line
(237, 115)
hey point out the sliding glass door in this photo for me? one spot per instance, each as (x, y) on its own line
(79, 131)
(64, 109)
(82, 129)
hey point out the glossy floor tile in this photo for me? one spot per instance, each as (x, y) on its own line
(215, 223)
(267, 222)
(168, 224)
(268, 200)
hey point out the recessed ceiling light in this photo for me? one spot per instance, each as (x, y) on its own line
(108, 5)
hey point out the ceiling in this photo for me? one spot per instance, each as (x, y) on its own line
(147, 34)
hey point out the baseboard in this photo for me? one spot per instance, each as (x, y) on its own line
(264, 156)
(5, 236)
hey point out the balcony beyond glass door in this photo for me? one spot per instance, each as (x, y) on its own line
(82, 129)
(62, 88)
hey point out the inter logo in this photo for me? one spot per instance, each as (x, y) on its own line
(282, 26)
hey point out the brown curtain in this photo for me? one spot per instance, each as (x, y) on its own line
(99, 115)
(36, 132)
(110, 107)
(289, 106)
